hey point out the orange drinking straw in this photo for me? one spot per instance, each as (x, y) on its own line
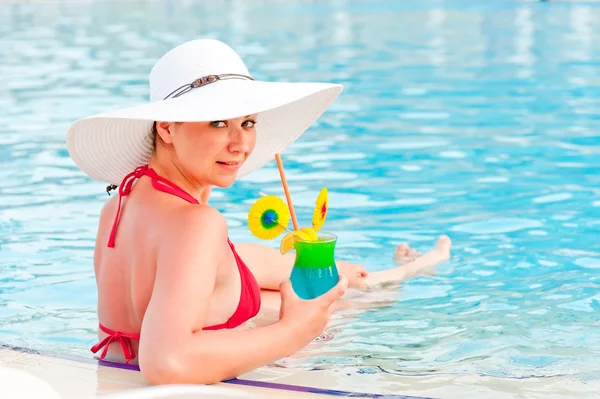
(286, 190)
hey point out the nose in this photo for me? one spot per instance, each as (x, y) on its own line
(240, 140)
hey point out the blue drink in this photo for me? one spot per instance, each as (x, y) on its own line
(315, 271)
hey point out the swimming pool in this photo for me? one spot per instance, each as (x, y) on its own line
(473, 119)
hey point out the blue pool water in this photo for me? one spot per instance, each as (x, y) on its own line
(475, 119)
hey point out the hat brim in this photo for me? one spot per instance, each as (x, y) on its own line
(110, 145)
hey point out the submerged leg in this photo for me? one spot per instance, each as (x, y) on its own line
(423, 264)
(374, 297)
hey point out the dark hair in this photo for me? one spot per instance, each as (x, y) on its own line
(154, 135)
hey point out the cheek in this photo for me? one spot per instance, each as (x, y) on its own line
(252, 141)
(192, 146)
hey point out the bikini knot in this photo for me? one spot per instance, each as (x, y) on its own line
(127, 185)
(116, 336)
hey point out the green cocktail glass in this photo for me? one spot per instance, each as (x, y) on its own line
(315, 272)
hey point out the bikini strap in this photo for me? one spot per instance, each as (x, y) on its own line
(158, 182)
(164, 185)
(124, 190)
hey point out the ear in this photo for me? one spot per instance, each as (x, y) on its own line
(164, 131)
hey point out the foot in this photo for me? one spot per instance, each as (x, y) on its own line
(443, 246)
(439, 254)
(404, 254)
(418, 265)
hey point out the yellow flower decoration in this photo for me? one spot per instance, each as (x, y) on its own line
(320, 213)
(268, 217)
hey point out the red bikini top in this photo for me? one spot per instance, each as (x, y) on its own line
(249, 303)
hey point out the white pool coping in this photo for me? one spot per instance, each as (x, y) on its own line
(82, 378)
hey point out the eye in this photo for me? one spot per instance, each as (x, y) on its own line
(249, 123)
(218, 124)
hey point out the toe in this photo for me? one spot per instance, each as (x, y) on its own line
(402, 250)
(444, 243)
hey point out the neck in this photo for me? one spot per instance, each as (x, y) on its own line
(166, 167)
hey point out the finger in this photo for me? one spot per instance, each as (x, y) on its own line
(286, 290)
(336, 292)
(343, 281)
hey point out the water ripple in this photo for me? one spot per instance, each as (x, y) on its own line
(480, 122)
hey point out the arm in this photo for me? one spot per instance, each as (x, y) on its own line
(173, 347)
(270, 267)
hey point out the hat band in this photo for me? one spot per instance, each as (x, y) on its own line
(204, 81)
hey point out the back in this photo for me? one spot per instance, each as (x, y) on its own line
(125, 273)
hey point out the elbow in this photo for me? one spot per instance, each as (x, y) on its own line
(179, 368)
(162, 369)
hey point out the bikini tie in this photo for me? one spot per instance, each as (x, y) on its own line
(113, 336)
(124, 190)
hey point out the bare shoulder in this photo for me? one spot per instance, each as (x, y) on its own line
(109, 210)
(193, 218)
(105, 222)
(198, 231)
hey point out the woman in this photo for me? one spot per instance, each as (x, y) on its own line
(173, 291)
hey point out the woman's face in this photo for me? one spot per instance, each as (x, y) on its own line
(210, 153)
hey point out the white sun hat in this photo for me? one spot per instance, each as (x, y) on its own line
(199, 81)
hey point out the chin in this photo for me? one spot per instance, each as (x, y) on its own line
(224, 182)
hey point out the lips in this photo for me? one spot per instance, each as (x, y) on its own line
(230, 166)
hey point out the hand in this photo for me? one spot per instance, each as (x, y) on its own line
(308, 319)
